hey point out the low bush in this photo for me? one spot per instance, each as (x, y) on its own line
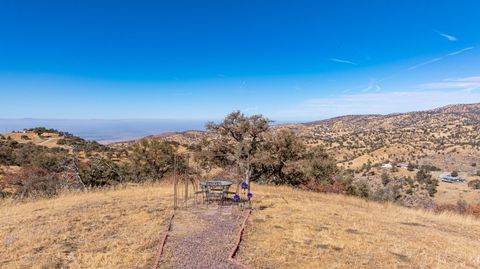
(31, 183)
(474, 184)
(461, 207)
(337, 187)
(429, 167)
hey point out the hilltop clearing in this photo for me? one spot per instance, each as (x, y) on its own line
(288, 229)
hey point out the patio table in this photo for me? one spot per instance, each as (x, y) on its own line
(216, 188)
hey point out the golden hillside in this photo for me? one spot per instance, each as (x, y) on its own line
(447, 137)
(46, 139)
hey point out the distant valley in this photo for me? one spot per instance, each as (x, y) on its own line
(104, 131)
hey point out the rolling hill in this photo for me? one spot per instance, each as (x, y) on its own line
(447, 137)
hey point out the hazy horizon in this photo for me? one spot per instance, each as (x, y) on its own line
(104, 131)
(115, 130)
(108, 130)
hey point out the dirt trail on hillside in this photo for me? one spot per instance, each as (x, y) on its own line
(201, 238)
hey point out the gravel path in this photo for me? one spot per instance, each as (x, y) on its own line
(202, 238)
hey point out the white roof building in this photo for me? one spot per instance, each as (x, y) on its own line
(387, 166)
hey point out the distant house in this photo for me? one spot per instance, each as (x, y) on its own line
(387, 166)
(450, 179)
(402, 165)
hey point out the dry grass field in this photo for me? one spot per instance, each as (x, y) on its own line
(295, 229)
(102, 229)
(288, 229)
(451, 193)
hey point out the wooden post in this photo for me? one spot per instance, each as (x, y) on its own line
(186, 180)
(174, 182)
(248, 182)
(248, 173)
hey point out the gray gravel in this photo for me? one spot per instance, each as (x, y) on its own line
(202, 238)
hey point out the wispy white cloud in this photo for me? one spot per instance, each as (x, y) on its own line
(425, 63)
(467, 83)
(460, 51)
(440, 58)
(420, 97)
(372, 86)
(379, 103)
(448, 37)
(342, 61)
(242, 84)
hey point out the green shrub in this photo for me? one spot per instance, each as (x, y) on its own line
(474, 184)
(424, 177)
(429, 167)
(411, 167)
(385, 179)
(362, 189)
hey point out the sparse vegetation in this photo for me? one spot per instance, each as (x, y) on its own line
(45, 171)
(28, 155)
(474, 184)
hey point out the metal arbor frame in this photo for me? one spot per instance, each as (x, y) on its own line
(179, 200)
(177, 178)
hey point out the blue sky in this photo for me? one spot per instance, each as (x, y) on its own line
(289, 60)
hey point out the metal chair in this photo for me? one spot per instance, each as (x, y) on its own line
(203, 192)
